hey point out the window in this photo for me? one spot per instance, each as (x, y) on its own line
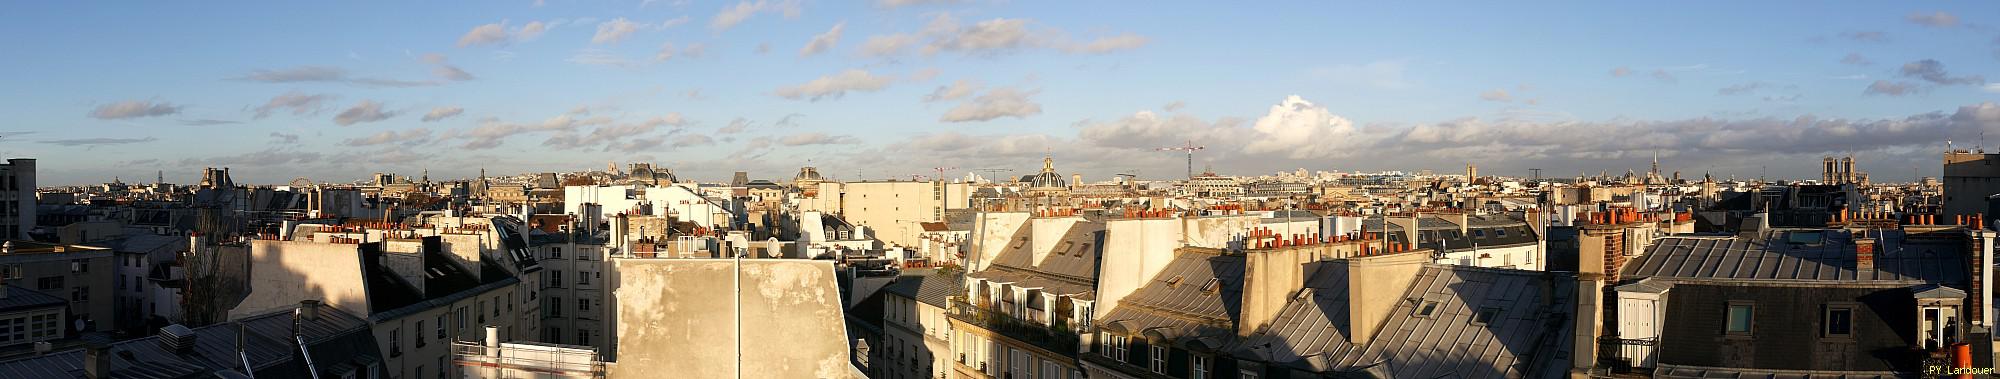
(1838, 321)
(1159, 358)
(555, 306)
(419, 333)
(1198, 367)
(13, 271)
(555, 252)
(442, 369)
(1246, 374)
(461, 321)
(81, 293)
(396, 342)
(1427, 309)
(582, 305)
(49, 283)
(440, 328)
(1740, 313)
(1499, 232)
(1117, 347)
(555, 277)
(1478, 233)
(555, 335)
(1050, 370)
(420, 371)
(1485, 316)
(582, 337)
(582, 278)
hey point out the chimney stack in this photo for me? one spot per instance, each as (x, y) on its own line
(309, 310)
(493, 340)
(97, 360)
(1864, 256)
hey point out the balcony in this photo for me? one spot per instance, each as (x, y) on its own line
(1057, 340)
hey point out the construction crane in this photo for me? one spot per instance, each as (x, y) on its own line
(1189, 148)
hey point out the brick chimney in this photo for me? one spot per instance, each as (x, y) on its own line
(1864, 256)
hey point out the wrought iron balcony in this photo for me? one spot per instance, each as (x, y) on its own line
(1057, 339)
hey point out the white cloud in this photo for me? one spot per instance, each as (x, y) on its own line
(299, 104)
(1940, 19)
(887, 45)
(1891, 88)
(836, 85)
(823, 41)
(1496, 94)
(1298, 129)
(134, 109)
(1992, 87)
(957, 90)
(532, 30)
(441, 113)
(1127, 41)
(905, 3)
(494, 33)
(615, 30)
(730, 16)
(665, 53)
(365, 111)
(997, 103)
(691, 140)
(1621, 71)
(814, 138)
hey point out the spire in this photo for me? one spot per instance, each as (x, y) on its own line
(1656, 162)
(1048, 163)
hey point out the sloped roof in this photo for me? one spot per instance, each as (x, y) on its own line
(927, 286)
(335, 337)
(1775, 258)
(1070, 268)
(23, 298)
(1523, 338)
(1180, 304)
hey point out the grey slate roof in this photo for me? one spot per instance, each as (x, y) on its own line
(1069, 269)
(1526, 338)
(23, 298)
(1775, 258)
(1183, 310)
(336, 337)
(927, 287)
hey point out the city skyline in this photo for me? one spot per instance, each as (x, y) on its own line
(886, 89)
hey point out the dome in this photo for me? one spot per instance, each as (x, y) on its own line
(807, 173)
(1048, 178)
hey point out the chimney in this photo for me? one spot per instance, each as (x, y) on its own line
(493, 340)
(309, 310)
(1864, 256)
(1753, 227)
(97, 360)
(1270, 278)
(1374, 286)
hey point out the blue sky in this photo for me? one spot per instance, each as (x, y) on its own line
(336, 90)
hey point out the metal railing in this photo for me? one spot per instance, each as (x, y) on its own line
(1056, 339)
(559, 361)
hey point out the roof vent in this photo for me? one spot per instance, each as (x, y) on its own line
(177, 338)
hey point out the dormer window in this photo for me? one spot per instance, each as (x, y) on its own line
(1211, 286)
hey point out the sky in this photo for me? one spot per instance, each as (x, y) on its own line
(334, 91)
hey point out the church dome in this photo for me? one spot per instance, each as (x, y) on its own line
(807, 174)
(1048, 178)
